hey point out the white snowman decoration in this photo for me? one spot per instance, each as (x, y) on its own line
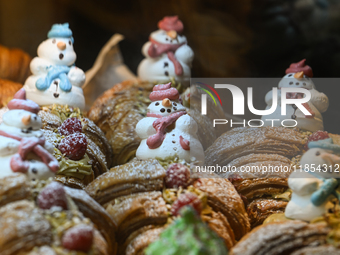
(22, 144)
(315, 185)
(55, 78)
(167, 54)
(299, 75)
(168, 131)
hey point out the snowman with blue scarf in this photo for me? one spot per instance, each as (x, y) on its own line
(315, 186)
(55, 79)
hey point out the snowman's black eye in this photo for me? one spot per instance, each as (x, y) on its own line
(53, 41)
(290, 75)
(162, 110)
(317, 153)
(291, 83)
(157, 103)
(69, 42)
(169, 110)
(166, 39)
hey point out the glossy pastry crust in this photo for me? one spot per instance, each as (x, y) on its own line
(281, 238)
(7, 90)
(13, 188)
(222, 197)
(117, 113)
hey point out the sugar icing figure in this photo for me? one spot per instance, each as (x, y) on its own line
(299, 75)
(168, 131)
(316, 185)
(55, 78)
(22, 144)
(167, 55)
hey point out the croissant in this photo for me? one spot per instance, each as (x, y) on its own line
(14, 64)
(7, 90)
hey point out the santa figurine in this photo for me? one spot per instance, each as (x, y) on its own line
(55, 79)
(314, 186)
(23, 148)
(167, 54)
(298, 75)
(168, 132)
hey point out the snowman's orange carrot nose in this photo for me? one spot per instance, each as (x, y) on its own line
(298, 75)
(172, 34)
(61, 45)
(166, 102)
(26, 119)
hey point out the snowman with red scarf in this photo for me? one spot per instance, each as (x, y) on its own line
(167, 54)
(298, 75)
(168, 132)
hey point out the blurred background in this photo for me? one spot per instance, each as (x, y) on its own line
(243, 38)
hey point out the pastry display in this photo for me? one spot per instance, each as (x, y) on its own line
(167, 54)
(8, 89)
(55, 78)
(168, 132)
(299, 75)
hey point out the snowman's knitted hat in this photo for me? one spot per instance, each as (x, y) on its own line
(163, 91)
(300, 66)
(20, 102)
(326, 144)
(61, 31)
(171, 23)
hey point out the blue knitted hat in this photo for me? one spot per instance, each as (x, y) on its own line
(60, 30)
(326, 144)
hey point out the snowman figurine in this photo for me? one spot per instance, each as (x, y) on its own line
(22, 144)
(314, 187)
(55, 79)
(299, 75)
(168, 131)
(167, 54)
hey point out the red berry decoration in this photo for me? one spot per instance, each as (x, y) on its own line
(318, 135)
(73, 146)
(52, 195)
(177, 175)
(78, 238)
(186, 199)
(70, 126)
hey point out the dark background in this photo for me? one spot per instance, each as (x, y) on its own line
(243, 38)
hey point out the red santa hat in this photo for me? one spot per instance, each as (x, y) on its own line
(20, 102)
(300, 66)
(171, 23)
(163, 91)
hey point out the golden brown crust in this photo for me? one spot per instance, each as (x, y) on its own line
(222, 197)
(91, 209)
(219, 223)
(142, 241)
(134, 176)
(240, 142)
(259, 209)
(117, 113)
(281, 238)
(7, 90)
(14, 64)
(13, 188)
(22, 228)
(137, 210)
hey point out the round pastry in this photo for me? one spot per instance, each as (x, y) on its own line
(8, 89)
(14, 65)
(167, 55)
(55, 78)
